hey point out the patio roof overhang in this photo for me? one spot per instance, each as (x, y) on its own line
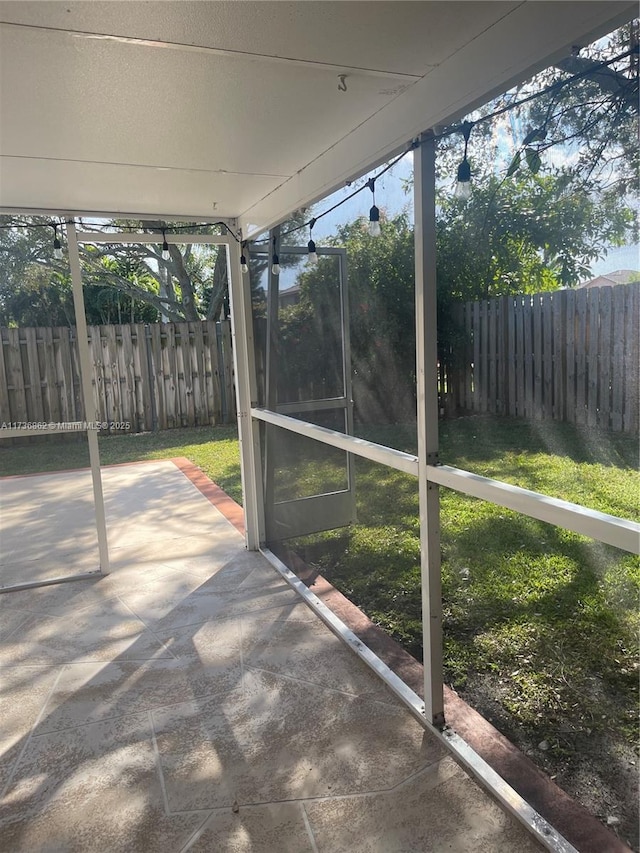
(235, 110)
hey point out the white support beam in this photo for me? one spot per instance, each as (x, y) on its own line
(246, 396)
(619, 532)
(90, 412)
(360, 446)
(424, 188)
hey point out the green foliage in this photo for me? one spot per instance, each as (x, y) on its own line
(382, 323)
(107, 304)
(523, 234)
(122, 283)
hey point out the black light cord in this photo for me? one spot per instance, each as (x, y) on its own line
(462, 128)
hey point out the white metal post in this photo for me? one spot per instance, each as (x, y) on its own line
(246, 398)
(427, 392)
(90, 413)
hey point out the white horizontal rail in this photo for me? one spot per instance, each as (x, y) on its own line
(589, 522)
(359, 446)
(137, 238)
(464, 754)
(619, 532)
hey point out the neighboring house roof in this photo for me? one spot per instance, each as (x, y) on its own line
(610, 279)
(292, 291)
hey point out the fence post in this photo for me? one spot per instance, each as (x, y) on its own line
(222, 374)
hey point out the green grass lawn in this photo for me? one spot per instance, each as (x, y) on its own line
(540, 624)
(214, 449)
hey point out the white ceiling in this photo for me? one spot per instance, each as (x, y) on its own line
(232, 109)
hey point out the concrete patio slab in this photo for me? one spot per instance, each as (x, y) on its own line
(31, 508)
(190, 701)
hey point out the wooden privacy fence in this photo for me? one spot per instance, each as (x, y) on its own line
(150, 377)
(567, 355)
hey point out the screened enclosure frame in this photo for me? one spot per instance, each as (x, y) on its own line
(324, 509)
(425, 466)
(432, 474)
(87, 426)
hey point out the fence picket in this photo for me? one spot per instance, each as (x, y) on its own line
(537, 356)
(35, 387)
(547, 347)
(126, 375)
(571, 358)
(144, 378)
(593, 344)
(5, 409)
(476, 356)
(617, 407)
(16, 376)
(212, 389)
(527, 364)
(559, 309)
(511, 348)
(581, 355)
(632, 361)
(492, 342)
(468, 384)
(65, 375)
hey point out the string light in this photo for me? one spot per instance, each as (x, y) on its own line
(275, 261)
(165, 247)
(57, 247)
(244, 267)
(463, 184)
(449, 131)
(311, 246)
(374, 213)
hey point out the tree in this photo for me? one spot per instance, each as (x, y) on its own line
(525, 234)
(382, 325)
(120, 279)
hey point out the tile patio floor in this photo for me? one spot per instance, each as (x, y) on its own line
(190, 701)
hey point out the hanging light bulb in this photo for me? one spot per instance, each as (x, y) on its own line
(374, 213)
(311, 246)
(463, 183)
(275, 261)
(243, 264)
(374, 222)
(57, 247)
(165, 248)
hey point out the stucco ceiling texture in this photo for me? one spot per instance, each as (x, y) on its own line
(236, 109)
